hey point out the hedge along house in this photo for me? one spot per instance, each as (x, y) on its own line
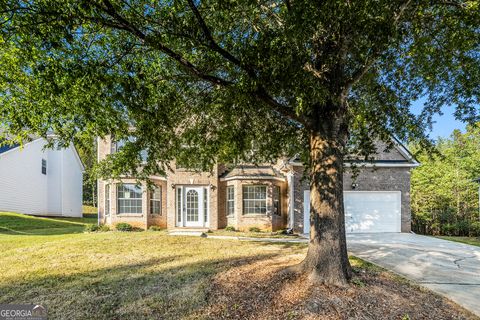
(269, 197)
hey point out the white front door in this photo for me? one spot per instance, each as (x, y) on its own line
(194, 211)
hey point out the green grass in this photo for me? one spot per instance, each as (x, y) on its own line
(20, 224)
(128, 275)
(468, 240)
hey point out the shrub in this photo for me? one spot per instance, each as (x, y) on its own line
(448, 229)
(123, 226)
(462, 227)
(92, 227)
(155, 228)
(103, 228)
(475, 229)
(96, 228)
(230, 228)
(254, 229)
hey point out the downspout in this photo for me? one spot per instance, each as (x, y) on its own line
(291, 202)
(98, 184)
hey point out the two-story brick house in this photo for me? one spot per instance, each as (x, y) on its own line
(269, 197)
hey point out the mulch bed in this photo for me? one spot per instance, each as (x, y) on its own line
(260, 290)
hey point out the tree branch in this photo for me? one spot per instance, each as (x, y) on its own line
(128, 26)
(212, 44)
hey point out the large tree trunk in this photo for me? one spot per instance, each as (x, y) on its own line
(327, 259)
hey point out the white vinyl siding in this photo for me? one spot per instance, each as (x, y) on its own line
(25, 189)
(254, 199)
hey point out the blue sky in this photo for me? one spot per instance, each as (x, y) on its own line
(444, 124)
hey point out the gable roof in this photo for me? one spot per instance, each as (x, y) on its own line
(405, 158)
(6, 148)
(246, 172)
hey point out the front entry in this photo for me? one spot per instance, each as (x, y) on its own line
(192, 206)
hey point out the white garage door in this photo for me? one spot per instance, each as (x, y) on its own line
(366, 211)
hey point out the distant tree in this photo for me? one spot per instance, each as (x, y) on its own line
(443, 191)
(87, 151)
(243, 80)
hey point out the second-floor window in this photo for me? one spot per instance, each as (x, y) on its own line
(117, 145)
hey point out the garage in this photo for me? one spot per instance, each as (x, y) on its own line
(366, 211)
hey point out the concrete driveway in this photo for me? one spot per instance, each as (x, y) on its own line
(448, 268)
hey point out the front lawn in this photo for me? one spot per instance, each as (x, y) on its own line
(150, 275)
(468, 240)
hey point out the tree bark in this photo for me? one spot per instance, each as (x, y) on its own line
(327, 260)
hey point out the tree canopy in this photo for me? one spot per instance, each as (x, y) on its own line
(241, 80)
(444, 193)
(227, 77)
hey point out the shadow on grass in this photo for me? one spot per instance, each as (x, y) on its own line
(18, 224)
(152, 289)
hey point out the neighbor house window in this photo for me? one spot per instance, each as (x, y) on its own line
(107, 200)
(44, 166)
(254, 199)
(277, 201)
(230, 201)
(156, 200)
(129, 198)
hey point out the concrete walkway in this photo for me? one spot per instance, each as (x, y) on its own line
(449, 268)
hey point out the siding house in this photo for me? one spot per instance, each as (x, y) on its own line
(39, 181)
(270, 197)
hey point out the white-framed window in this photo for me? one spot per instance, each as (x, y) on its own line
(44, 166)
(117, 145)
(205, 205)
(277, 201)
(129, 199)
(255, 199)
(230, 201)
(107, 200)
(179, 205)
(156, 200)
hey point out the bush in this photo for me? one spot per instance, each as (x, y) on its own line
(103, 228)
(230, 228)
(463, 228)
(475, 229)
(92, 227)
(254, 229)
(123, 226)
(96, 228)
(155, 228)
(448, 229)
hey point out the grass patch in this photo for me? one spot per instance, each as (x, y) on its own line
(468, 240)
(150, 275)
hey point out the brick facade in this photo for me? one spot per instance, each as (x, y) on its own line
(215, 184)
